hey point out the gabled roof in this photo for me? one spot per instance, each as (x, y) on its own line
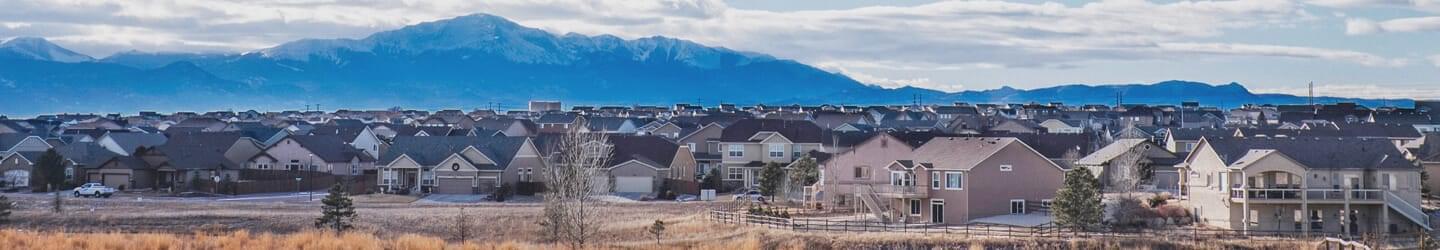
(330, 148)
(431, 150)
(130, 141)
(200, 150)
(349, 133)
(85, 153)
(557, 118)
(1116, 149)
(649, 149)
(1316, 152)
(30, 156)
(796, 131)
(197, 122)
(1194, 134)
(8, 141)
(961, 153)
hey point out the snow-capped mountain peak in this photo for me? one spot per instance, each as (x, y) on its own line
(36, 48)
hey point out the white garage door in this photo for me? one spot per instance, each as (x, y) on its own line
(634, 184)
(17, 178)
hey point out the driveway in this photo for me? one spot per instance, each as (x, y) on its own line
(453, 198)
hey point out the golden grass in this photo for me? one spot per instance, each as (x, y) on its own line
(742, 240)
(384, 198)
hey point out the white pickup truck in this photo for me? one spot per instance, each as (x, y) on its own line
(94, 190)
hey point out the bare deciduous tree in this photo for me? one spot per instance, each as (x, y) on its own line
(571, 212)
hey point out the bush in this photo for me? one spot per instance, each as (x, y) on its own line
(502, 193)
(1174, 214)
(529, 188)
(1159, 200)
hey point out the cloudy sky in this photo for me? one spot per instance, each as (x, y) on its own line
(1356, 48)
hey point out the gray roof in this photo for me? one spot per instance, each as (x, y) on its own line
(330, 148)
(431, 150)
(649, 149)
(1317, 152)
(200, 150)
(84, 153)
(1194, 134)
(130, 141)
(8, 141)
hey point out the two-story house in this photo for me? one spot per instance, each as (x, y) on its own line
(1306, 184)
(641, 163)
(747, 145)
(960, 180)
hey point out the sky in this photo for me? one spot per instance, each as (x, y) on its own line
(1348, 48)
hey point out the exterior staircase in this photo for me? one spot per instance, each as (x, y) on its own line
(875, 204)
(1408, 210)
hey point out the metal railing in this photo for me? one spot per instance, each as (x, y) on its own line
(907, 191)
(1311, 194)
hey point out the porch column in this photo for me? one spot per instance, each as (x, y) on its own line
(419, 179)
(1345, 216)
(1385, 218)
(1305, 211)
(1244, 203)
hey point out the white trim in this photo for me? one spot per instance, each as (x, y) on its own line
(442, 168)
(635, 161)
(392, 162)
(1022, 206)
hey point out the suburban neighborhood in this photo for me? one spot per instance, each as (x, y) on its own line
(1339, 170)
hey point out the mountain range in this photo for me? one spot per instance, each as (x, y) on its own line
(475, 60)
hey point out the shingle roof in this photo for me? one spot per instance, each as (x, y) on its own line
(645, 148)
(557, 118)
(330, 148)
(349, 133)
(8, 141)
(1317, 152)
(796, 131)
(200, 150)
(86, 153)
(961, 153)
(130, 141)
(1194, 134)
(431, 150)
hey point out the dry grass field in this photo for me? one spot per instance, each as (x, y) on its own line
(129, 224)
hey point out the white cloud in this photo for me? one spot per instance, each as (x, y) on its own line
(944, 35)
(1361, 26)
(1283, 51)
(1435, 59)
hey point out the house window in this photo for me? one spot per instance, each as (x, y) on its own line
(525, 174)
(914, 206)
(389, 177)
(1017, 206)
(1006, 168)
(262, 166)
(691, 145)
(293, 166)
(735, 173)
(935, 180)
(1045, 203)
(429, 178)
(861, 173)
(354, 169)
(777, 150)
(736, 150)
(953, 181)
(902, 179)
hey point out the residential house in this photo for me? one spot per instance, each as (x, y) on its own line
(642, 163)
(458, 164)
(1183, 140)
(122, 172)
(199, 156)
(358, 136)
(319, 153)
(704, 145)
(748, 145)
(1153, 166)
(846, 172)
(17, 168)
(962, 180)
(1317, 184)
(1058, 126)
(559, 122)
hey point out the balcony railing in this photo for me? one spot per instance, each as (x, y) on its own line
(1311, 194)
(901, 191)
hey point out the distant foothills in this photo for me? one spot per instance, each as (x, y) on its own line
(481, 60)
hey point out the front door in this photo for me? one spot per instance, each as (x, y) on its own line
(937, 211)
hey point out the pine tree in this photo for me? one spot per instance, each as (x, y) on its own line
(712, 180)
(771, 177)
(657, 229)
(806, 172)
(338, 212)
(1078, 204)
(50, 172)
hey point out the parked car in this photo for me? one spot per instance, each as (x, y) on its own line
(749, 194)
(94, 190)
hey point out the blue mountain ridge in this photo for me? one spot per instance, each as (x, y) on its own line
(471, 61)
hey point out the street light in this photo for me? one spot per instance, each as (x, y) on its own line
(311, 193)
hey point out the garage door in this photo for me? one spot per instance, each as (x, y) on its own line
(117, 180)
(455, 186)
(18, 178)
(634, 184)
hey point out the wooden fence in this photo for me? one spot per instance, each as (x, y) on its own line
(1007, 231)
